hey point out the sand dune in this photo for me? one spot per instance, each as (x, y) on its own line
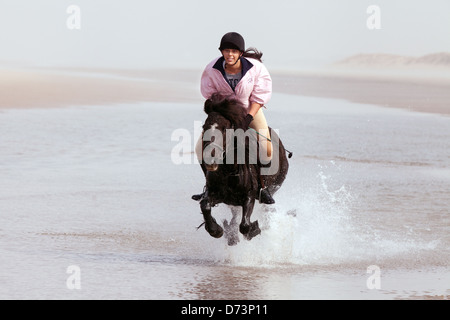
(414, 83)
(430, 69)
(383, 60)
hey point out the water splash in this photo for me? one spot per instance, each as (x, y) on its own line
(313, 224)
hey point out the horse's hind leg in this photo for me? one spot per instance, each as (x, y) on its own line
(211, 225)
(247, 228)
(231, 228)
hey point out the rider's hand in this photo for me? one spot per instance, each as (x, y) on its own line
(248, 119)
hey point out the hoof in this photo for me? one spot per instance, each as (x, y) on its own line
(251, 230)
(214, 230)
(244, 229)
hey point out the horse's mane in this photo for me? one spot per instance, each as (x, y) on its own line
(231, 109)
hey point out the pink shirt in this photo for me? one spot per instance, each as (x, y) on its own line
(255, 85)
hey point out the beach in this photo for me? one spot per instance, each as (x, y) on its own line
(37, 88)
(422, 95)
(52, 88)
(88, 183)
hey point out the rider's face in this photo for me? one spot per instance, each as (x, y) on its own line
(231, 55)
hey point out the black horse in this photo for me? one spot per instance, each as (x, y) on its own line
(230, 180)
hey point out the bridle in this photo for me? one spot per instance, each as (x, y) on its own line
(223, 152)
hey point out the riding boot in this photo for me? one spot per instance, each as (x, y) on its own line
(198, 197)
(264, 194)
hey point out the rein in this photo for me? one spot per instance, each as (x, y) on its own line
(290, 154)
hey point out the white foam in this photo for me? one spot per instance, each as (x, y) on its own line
(313, 225)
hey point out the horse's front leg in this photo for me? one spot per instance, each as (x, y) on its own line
(211, 225)
(247, 228)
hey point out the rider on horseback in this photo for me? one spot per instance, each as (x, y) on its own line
(240, 74)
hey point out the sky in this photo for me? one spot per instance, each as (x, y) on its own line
(186, 33)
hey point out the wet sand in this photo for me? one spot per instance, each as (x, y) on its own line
(422, 95)
(60, 88)
(65, 87)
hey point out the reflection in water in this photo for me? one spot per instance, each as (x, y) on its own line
(224, 282)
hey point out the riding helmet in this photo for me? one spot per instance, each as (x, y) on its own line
(232, 40)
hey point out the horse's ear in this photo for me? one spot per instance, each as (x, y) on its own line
(208, 106)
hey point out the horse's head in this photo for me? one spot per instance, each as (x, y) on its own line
(223, 114)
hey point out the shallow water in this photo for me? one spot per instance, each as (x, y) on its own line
(96, 188)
